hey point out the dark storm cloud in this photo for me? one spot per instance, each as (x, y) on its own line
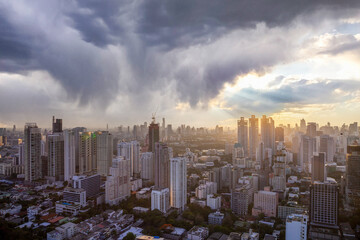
(133, 47)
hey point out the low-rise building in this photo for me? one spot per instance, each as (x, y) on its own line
(216, 218)
(213, 201)
(63, 207)
(197, 233)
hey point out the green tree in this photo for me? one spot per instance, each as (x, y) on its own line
(130, 236)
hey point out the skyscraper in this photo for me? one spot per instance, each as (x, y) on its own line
(131, 151)
(69, 154)
(242, 125)
(77, 131)
(327, 145)
(56, 125)
(154, 135)
(160, 199)
(311, 129)
(303, 126)
(104, 152)
(32, 152)
(253, 135)
(117, 185)
(318, 167)
(161, 166)
(87, 152)
(268, 132)
(307, 148)
(279, 134)
(147, 166)
(353, 174)
(324, 204)
(178, 183)
(55, 143)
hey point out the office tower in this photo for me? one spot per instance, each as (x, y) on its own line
(242, 125)
(154, 135)
(253, 136)
(215, 176)
(160, 199)
(279, 134)
(268, 132)
(241, 198)
(55, 143)
(353, 174)
(327, 145)
(311, 129)
(56, 125)
(87, 152)
(104, 152)
(69, 154)
(265, 202)
(131, 151)
(161, 166)
(279, 177)
(147, 166)
(260, 154)
(302, 126)
(307, 149)
(32, 152)
(21, 154)
(91, 184)
(117, 185)
(178, 183)
(296, 226)
(324, 204)
(77, 131)
(318, 167)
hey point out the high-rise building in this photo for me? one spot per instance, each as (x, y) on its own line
(268, 132)
(55, 143)
(265, 202)
(327, 145)
(87, 152)
(318, 167)
(296, 226)
(32, 152)
(213, 201)
(279, 134)
(154, 135)
(161, 166)
(205, 189)
(353, 129)
(104, 152)
(160, 199)
(353, 174)
(69, 155)
(307, 149)
(242, 125)
(131, 151)
(56, 125)
(324, 204)
(91, 184)
(178, 183)
(147, 166)
(302, 126)
(117, 185)
(77, 132)
(253, 135)
(311, 129)
(241, 198)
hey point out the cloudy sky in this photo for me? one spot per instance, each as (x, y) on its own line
(197, 62)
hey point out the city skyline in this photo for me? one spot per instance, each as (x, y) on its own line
(120, 62)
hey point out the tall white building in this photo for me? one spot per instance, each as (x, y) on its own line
(117, 185)
(178, 182)
(69, 155)
(253, 135)
(213, 201)
(32, 152)
(131, 151)
(296, 227)
(160, 199)
(327, 145)
(55, 143)
(268, 132)
(147, 166)
(203, 190)
(104, 152)
(307, 149)
(243, 139)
